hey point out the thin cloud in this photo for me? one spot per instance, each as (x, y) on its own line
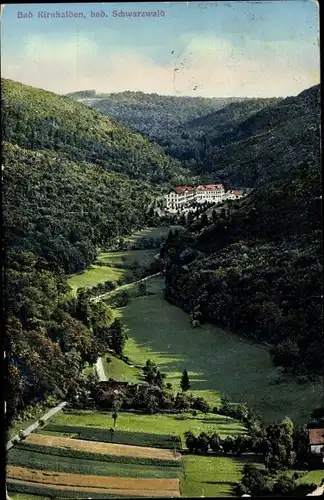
(209, 64)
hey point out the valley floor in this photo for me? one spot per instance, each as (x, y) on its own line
(218, 362)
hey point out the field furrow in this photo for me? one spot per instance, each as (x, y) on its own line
(91, 491)
(104, 448)
(91, 481)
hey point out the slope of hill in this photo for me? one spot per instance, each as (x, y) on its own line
(69, 175)
(151, 114)
(268, 143)
(221, 121)
(37, 119)
(260, 270)
(67, 188)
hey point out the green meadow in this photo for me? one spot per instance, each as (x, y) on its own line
(95, 275)
(211, 476)
(170, 424)
(218, 361)
(142, 257)
(118, 370)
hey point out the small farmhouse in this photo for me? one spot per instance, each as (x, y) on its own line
(316, 444)
(316, 441)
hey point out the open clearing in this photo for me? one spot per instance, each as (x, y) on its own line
(169, 424)
(94, 275)
(120, 371)
(92, 481)
(121, 450)
(143, 257)
(218, 361)
(211, 476)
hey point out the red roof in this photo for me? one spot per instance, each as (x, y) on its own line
(183, 189)
(210, 187)
(237, 192)
(316, 436)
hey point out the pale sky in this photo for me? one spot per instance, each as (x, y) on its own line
(212, 49)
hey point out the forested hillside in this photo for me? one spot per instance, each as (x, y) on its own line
(258, 269)
(269, 143)
(72, 180)
(37, 119)
(245, 143)
(151, 114)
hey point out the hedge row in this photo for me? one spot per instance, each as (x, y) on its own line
(41, 461)
(120, 437)
(47, 491)
(87, 455)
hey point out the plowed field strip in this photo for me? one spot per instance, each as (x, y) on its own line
(106, 448)
(111, 491)
(60, 478)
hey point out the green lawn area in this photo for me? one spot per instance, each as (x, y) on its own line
(211, 476)
(156, 424)
(103, 435)
(150, 232)
(143, 257)
(313, 476)
(217, 361)
(94, 275)
(120, 371)
(153, 287)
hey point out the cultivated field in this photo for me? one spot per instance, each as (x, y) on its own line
(37, 476)
(102, 493)
(56, 461)
(102, 448)
(119, 436)
(169, 424)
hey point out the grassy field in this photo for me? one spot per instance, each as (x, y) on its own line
(313, 476)
(104, 435)
(143, 257)
(94, 275)
(210, 476)
(151, 232)
(217, 361)
(153, 287)
(175, 425)
(120, 371)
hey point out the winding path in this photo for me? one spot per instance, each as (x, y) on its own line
(122, 287)
(101, 371)
(35, 425)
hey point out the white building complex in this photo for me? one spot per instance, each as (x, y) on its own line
(184, 196)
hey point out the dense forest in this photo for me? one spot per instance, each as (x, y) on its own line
(256, 268)
(263, 147)
(244, 142)
(151, 114)
(72, 180)
(36, 119)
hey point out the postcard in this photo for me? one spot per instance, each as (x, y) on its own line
(162, 249)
